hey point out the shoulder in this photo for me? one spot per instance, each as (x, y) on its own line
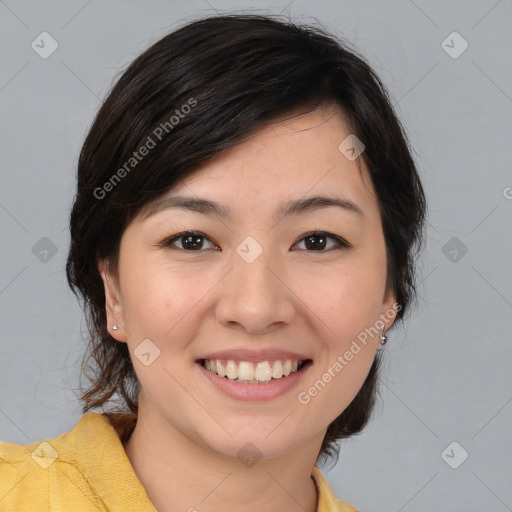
(45, 474)
(327, 501)
(345, 506)
(23, 477)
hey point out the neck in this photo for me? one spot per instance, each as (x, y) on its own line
(181, 474)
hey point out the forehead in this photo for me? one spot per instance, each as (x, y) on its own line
(284, 160)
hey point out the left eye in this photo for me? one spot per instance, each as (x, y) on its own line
(315, 241)
(318, 241)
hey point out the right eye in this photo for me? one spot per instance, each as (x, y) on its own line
(191, 241)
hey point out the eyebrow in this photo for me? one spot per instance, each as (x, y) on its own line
(294, 207)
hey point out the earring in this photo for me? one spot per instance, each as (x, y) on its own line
(115, 327)
(383, 339)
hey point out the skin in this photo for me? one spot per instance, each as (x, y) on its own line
(314, 302)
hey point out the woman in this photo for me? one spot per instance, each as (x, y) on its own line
(243, 236)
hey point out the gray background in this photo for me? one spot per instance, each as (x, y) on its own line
(447, 373)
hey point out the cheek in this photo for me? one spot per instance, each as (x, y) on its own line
(163, 305)
(167, 303)
(350, 304)
(331, 393)
(159, 299)
(346, 354)
(346, 298)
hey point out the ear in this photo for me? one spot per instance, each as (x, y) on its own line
(113, 303)
(390, 307)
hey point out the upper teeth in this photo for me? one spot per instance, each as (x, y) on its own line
(262, 371)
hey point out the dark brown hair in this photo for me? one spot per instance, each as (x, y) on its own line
(197, 91)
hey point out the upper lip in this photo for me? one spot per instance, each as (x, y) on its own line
(242, 354)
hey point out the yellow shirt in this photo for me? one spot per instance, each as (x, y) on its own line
(87, 470)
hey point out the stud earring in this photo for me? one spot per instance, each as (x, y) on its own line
(115, 327)
(383, 339)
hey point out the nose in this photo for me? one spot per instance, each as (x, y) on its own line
(255, 297)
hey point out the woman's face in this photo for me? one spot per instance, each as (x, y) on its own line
(248, 287)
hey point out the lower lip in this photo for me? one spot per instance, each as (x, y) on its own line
(242, 391)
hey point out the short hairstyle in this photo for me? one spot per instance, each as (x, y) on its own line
(197, 91)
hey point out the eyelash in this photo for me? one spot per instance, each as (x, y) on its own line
(342, 244)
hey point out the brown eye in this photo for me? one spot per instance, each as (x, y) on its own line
(191, 241)
(194, 241)
(317, 241)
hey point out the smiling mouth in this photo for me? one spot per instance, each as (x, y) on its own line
(246, 372)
